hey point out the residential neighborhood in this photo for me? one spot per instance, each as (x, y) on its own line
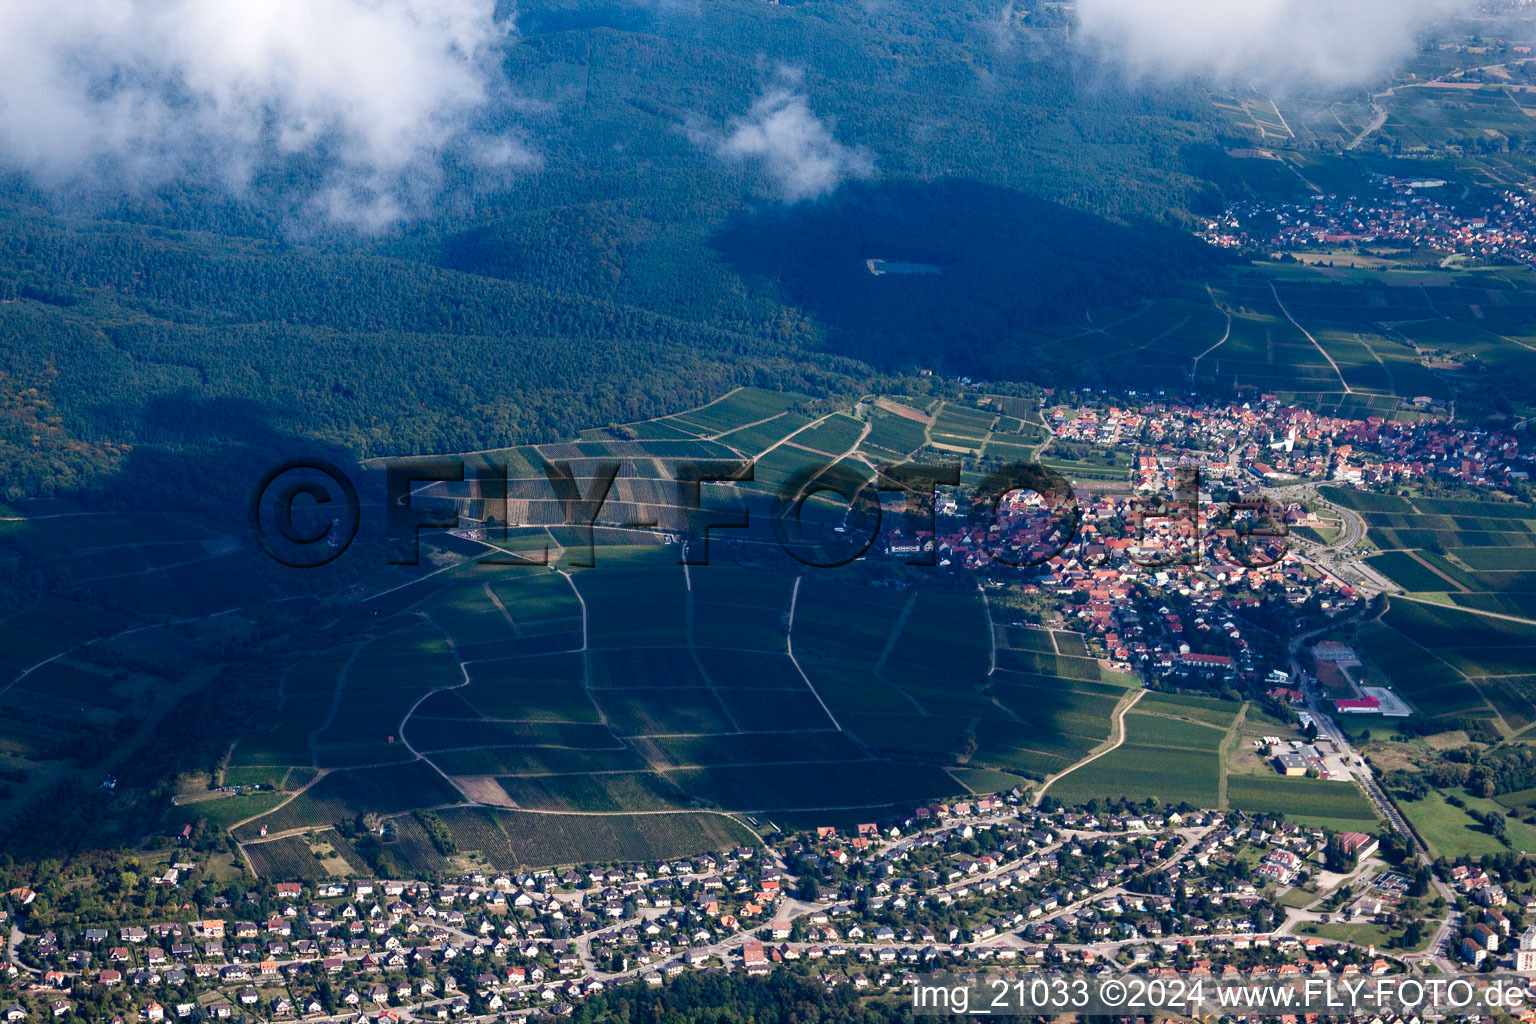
(992, 881)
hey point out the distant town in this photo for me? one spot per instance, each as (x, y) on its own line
(1420, 212)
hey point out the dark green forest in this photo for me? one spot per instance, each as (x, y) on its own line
(633, 273)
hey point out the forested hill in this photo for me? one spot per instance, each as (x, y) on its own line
(634, 272)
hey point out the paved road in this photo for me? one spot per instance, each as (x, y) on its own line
(1329, 729)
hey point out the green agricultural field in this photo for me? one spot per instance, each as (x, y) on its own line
(740, 627)
(1051, 712)
(995, 734)
(256, 775)
(1071, 644)
(1513, 697)
(1180, 766)
(1044, 663)
(893, 434)
(1302, 800)
(1490, 661)
(1427, 681)
(1003, 452)
(514, 839)
(984, 781)
(471, 614)
(1498, 559)
(286, 859)
(635, 607)
(547, 687)
(1449, 570)
(479, 830)
(535, 760)
(643, 668)
(1507, 582)
(549, 840)
(763, 749)
(607, 793)
(759, 437)
(221, 811)
(843, 620)
(658, 712)
(833, 436)
(434, 735)
(537, 597)
(916, 736)
(665, 429)
(1140, 772)
(774, 469)
(752, 588)
(1005, 676)
(307, 688)
(1221, 713)
(384, 680)
(742, 406)
(809, 786)
(1105, 464)
(733, 669)
(1026, 761)
(409, 844)
(943, 630)
(1452, 832)
(1521, 605)
(1438, 626)
(961, 419)
(1516, 512)
(774, 710)
(744, 609)
(345, 794)
(1365, 501)
(1039, 640)
(1173, 732)
(850, 684)
(1408, 572)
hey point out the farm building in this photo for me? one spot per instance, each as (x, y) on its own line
(1290, 764)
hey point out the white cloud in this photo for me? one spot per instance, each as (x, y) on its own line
(1273, 43)
(795, 150)
(121, 94)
